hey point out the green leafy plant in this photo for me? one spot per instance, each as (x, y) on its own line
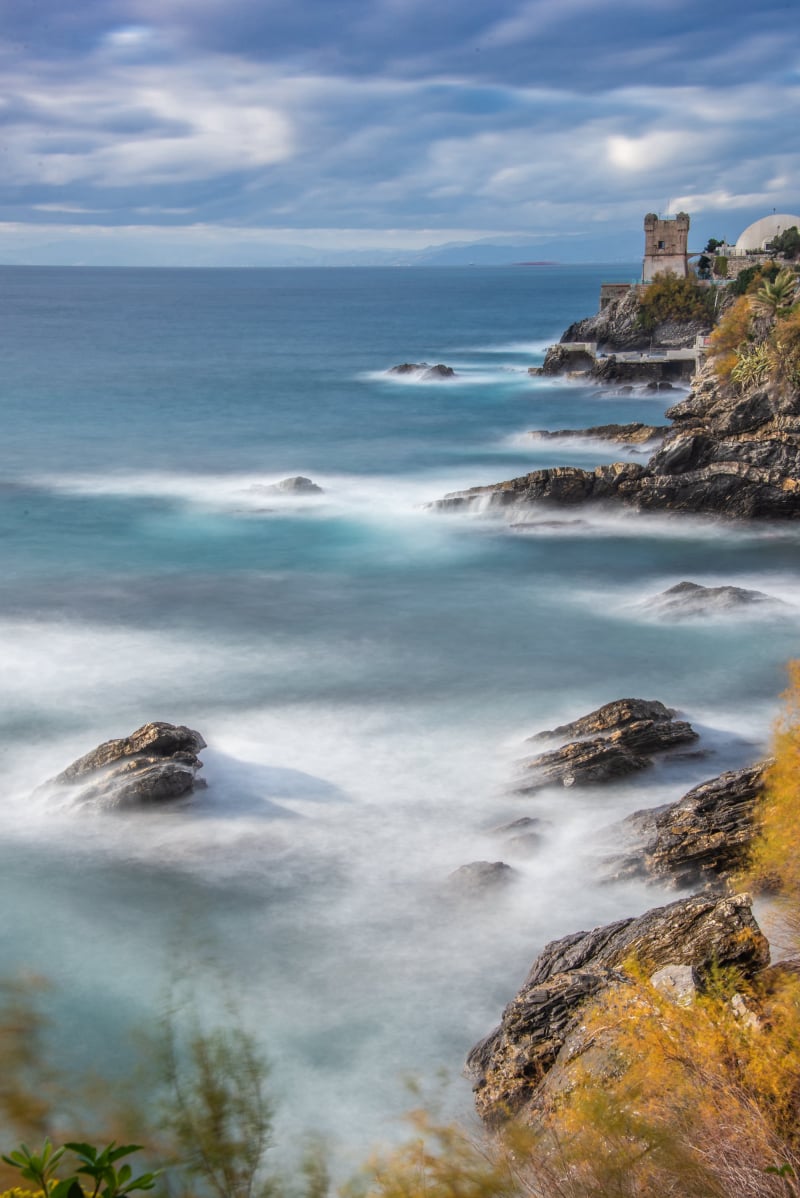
(100, 1165)
(775, 298)
(38, 1167)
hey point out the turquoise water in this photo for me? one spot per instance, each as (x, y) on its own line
(364, 670)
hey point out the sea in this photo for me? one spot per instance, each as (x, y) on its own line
(365, 669)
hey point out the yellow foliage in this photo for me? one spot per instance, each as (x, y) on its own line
(776, 858)
(440, 1161)
(698, 1101)
(731, 333)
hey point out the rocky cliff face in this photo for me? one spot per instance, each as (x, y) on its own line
(725, 453)
(519, 1063)
(617, 328)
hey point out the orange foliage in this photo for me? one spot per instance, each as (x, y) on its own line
(732, 332)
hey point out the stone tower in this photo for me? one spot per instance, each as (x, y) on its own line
(665, 246)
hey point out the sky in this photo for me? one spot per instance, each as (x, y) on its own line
(250, 132)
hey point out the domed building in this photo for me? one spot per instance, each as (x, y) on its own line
(756, 236)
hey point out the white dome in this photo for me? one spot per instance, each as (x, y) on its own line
(761, 231)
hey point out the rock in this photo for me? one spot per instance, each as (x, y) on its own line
(425, 372)
(677, 983)
(630, 730)
(617, 328)
(611, 717)
(527, 823)
(687, 600)
(480, 876)
(297, 485)
(700, 839)
(510, 1067)
(633, 434)
(156, 763)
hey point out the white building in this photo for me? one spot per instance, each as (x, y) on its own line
(756, 236)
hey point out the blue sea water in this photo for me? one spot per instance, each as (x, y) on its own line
(365, 670)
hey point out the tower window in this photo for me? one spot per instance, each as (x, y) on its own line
(661, 245)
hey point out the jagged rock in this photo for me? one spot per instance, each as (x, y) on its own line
(426, 372)
(156, 763)
(686, 600)
(617, 327)
(620, 713)
(480, 876)
(630, 730)
(510, 1067)
(702, 837)
(628, 434)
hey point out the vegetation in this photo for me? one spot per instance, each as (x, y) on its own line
(757, 340)
(721, 266)
(774, 297)
(787, 243)
(750, 278)
(671, 298)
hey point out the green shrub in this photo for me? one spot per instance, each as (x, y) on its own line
(669, 297)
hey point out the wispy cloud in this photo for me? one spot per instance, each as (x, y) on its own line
(489, 119)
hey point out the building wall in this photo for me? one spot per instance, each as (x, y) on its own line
(665, 246)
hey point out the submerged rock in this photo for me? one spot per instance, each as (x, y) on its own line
(703, 837)
(688, 599)
(296, 485)
(156, 763)
(615, 740)
(425, 372)
(480, 876)
(513, 1067)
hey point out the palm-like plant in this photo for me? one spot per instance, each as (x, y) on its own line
(777, 297)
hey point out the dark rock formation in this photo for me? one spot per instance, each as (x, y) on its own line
(479, 876)
(156, 763)
(617, 328)
(616, 740)
(726, 454)
(688, 599)
(510, 1066)
(626, 434)
(701, 838)
(424, 371)
(658, 373)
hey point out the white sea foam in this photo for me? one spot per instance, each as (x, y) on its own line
(467, 375)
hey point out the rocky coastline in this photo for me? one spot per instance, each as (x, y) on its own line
(732, 449)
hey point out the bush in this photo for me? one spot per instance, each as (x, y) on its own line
(669, 297)
(731, 335)
(752, 276)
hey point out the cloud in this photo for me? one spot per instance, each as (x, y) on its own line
(395, 114)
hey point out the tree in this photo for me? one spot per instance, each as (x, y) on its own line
(787, 243)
